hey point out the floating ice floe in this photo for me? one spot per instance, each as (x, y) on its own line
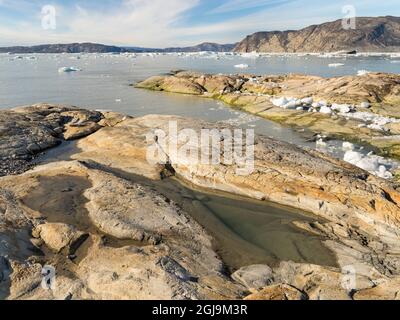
(68, 69)
(374, 164)
(308, 101)
(286, 103)
(372, 121)
(319, 104)
(335, 65)
(321, 144)
(16, 58)
(252, 55)
(279, 102)
(342, 108)
(242, 66)
(361, 73)
(348, 146)
(325, 110)
(241, 119)
(365, 105)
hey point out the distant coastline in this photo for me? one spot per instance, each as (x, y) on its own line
(372, 34)
(101, 48)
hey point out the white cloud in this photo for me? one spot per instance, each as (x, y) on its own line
(148, 23)
(236, 5)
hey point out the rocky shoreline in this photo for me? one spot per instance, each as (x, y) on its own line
(114, 238)
(360, 108)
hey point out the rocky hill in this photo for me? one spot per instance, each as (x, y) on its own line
(371, 34)
(206, 46)
(100, 48)
(64, 48)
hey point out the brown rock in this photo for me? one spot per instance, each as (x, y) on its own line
(389, 290)
(376, 34)
(111, 119)
(73, 131)
(183, 266)
(58, 236)
(26, 131)
(277, 292)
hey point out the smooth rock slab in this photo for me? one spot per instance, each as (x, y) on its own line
(183, 266)
(254, 277)
(278, 292)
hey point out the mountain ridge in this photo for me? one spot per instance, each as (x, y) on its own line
(88, 47)
(371, 34)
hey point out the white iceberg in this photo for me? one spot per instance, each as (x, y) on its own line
(321, 144)
(348, 146)
(335, 65)
(292, 104)
(307, 101)
(242, 66)
(341, 108)
(250, 55)
(68, 69)
(361, 73)
(279, 102)
(365, 105)
(325, 110)
(372, 120)
(374, 164)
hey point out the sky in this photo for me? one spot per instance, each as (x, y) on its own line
(166, 23)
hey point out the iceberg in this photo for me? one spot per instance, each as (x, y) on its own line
(325, 110)
(242, 66)
(279, 102)
(372, 121)
(321, 144)
(68, 69)
(341, 108)
(361, 73)
(365, 105)
(348, 146)
(374, 164)
(250, 55)
(335, 65)
(307, 101)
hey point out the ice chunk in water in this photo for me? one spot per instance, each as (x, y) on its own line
(361, 73)
(279, 102)
(307, 101)
(348, 146)
(365, 105)
(321, 143)
(326, 110)
(374, 164)
(342, 108)
(68, 69)
(242, 66)
(335, 65)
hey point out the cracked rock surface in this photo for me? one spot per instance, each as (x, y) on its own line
(114, 238)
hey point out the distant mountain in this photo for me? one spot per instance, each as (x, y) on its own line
(100, 48)
(65, 48)
(142, 50)
(371, 34)
(206, 46)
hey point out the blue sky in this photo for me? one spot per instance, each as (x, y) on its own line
(162, 23)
